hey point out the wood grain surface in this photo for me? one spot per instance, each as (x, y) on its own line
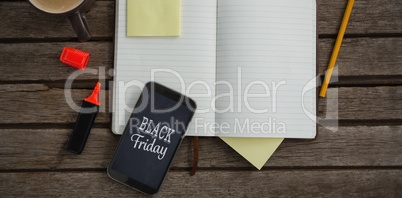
(372, 57)
(368, 17)
(44, 65)
(357, 152)
(349, 146)
(216, 183)
(54, 105)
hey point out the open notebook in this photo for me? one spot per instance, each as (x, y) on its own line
(249, 65)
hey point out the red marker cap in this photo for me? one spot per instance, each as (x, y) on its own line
(94, 97)
(74, 57)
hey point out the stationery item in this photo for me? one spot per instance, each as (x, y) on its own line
(74, 57)
(74, 10)
(153, 17)
(247, 64)
(151, 138)
(83, 125)
(337, 46)
(255, 150)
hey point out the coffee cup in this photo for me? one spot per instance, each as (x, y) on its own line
(74, 9)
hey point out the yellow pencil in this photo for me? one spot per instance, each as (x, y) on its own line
(335, 51)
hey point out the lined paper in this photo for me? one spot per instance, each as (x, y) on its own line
(181, 63)
(262, 45)
(228, 47)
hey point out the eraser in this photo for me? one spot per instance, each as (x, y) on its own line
(74, 57)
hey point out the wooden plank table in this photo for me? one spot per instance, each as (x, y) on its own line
(363, 158)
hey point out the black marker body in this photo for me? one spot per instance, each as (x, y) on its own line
(82, 127)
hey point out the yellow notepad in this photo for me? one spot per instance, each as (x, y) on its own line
(255, 150)
(153, 17)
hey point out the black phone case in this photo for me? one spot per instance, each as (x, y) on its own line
(124, 179)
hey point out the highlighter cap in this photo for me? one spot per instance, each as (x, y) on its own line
(94, 97)
(74, 57)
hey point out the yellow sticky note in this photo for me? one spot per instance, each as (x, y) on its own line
(153, 17)
(255, 150)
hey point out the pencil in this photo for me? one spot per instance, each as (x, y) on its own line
(335, 51)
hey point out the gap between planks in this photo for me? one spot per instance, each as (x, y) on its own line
(100, 39)
(209, 169)
(344, 81)
(326, 122)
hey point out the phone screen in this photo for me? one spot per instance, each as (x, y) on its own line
(151, 138)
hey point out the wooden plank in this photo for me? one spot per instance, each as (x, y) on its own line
(46, 149)
(24, 21)
(40, 61)
(355, 146)
(282, 183)
(368, 17)
(363, 56)
(361, 103)
(343, 146)
(51, 105)
(371, 57)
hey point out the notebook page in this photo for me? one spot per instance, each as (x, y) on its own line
(186, 63)
(266, 53)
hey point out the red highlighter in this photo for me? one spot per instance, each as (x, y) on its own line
(83, 125)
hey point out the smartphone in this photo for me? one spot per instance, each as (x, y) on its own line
(151, 138)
